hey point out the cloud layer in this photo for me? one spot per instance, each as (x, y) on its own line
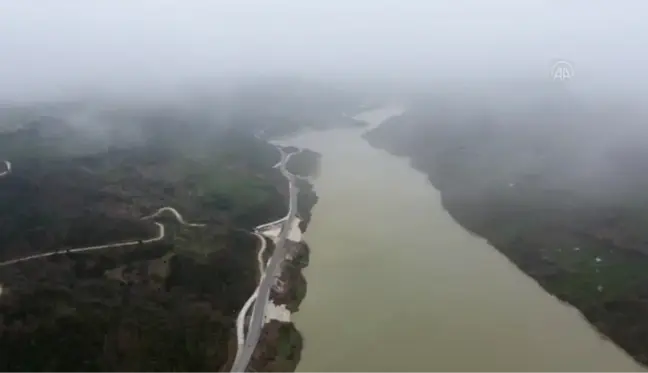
(49, 48)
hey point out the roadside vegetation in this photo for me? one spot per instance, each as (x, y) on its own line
(169, 305)
(85, 173)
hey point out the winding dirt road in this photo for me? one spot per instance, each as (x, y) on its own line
(175, 213)
(160, 235)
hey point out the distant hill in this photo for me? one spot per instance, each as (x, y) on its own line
(558, 186)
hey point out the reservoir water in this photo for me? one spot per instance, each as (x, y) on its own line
(395, 284)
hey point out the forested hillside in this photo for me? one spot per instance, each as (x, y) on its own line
(165, 305)
(560, 188)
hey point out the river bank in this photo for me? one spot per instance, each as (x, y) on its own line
(394, 283)
(280, 344)
(550, 234)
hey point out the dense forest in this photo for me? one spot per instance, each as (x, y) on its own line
(558, 187)
(86, 172)
(166, 305)
(305, 163)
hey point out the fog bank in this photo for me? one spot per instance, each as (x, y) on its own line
(51, 49)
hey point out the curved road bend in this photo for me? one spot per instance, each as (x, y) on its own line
(160, 236)
(267, 279)
(284, 159)
(240, 319)
(304, 178)
(175, 213)
(263, 290)
(8, 168)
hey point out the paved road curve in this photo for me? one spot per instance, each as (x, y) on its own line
(274, 264)
(8, 168)
(176, 214)
(261, 295)
(240, 319)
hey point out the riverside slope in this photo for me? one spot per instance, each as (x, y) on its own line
(532, 191)
(267, 279)
(162, 233)
(158, 237)
(394, 283)
(262, 293)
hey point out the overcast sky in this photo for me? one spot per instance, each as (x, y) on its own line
(50, 47)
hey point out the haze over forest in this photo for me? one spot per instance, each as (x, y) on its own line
(223, 113)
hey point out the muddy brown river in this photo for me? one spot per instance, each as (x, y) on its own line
(395, 284)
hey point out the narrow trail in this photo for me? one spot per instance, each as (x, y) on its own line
(161, 234)
(175, 213)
